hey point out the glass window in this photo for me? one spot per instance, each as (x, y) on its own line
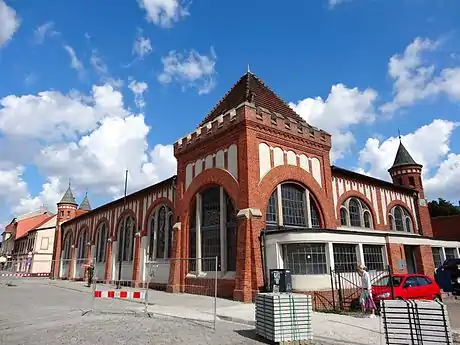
(305, 258)
(152, 236)
(126, 234)
(411, 282)
(367, 219)
(82, 246)
(345, 258)
(161, 232)
(408, 224)
(450, 253)
(398, 216)
(391, 222)
(293, 205)
(101, 243)
(343, 216)
(272, 209)
(231, 236)
(422, 281)
(315, 224)
(437, 256)
(192, 237)
(210, 231)
(373, 257)
(385, 281)
(355, 212)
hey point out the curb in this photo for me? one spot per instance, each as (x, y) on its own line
(236, 320)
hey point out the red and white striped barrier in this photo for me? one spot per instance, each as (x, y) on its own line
(119, 294)
(24, 275)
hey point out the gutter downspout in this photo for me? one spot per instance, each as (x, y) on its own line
(417, 213)
(263, 247)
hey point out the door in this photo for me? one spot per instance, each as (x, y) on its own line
(409, 252)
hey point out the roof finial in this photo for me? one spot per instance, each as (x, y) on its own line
(70, 182)
(249, 69)
(399, 135)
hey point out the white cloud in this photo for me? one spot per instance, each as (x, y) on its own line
(190, 70)
(75, 63)
(98, 64)
(91, 138)
(334, 3)
(164, 12)
(9, 23)
(337, 114)
(46, 29)
(414, 80)
(429, 145)
(138, 88)
(142, 47)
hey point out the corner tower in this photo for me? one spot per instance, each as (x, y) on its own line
(67, 207)
(406, 172)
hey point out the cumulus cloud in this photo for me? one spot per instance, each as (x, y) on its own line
(338, 113)
(415, 80)
(335, 3)
(429, 145)
(91, 138)
(190, 70)
(9, 23)
(164, 13)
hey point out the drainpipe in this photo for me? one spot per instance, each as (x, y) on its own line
(417, 214)
(263, 247)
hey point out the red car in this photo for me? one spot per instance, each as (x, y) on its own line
(406, 286)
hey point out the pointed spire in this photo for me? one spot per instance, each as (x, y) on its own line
(249, 69)
(85, 205)
(68, 197)
(403, 157)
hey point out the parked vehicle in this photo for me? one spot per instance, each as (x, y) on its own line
(448, 276)
(406, 286)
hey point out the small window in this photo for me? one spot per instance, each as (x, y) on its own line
(68, 213)
(411, 180)
(62, 213)
(367, 220)
(437, 256)
(450, 253)
(345, 258)
(305, 258)
(373, 257)
(400, 180)
(343, 216)
(44, 244)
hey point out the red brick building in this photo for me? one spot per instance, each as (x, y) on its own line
(254, 164)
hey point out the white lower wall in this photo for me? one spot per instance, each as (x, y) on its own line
(41, 264)
(99, 271)
(157, 273)
(126, 271)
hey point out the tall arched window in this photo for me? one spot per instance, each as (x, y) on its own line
(355, 212)
(298, 208)
(212, 218)
(400, 219)
(101, 243)
(160, 233)
(126, 233)
(82, 240)
(67, 246)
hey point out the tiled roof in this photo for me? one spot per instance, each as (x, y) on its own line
(85, 205)
(25, 225)
(48, 222)
(250, 88)
(68, 197)
(403, 157)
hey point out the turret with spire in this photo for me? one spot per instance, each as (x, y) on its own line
(67, 207)
(405, 171)
(85, 205)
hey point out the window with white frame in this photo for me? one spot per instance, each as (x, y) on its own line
(437, 256)
(101, 243)
(212, 217)
(355, 212)
(126, 233)
(451, 253)
(400, 220)
(345, 258)
(44, 243)
(160, 233)
(305, 258)
(373, 257)
(292, 205)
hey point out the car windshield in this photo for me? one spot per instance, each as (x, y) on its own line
(385, 281)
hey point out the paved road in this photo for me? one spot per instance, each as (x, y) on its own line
(453, 306)
(33, 313)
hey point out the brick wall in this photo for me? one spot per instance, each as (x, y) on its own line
(446, 228)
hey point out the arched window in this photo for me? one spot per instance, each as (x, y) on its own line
(126, 233)
(153, 221)
(400, 219)
(101, 243)
(212, 215)
(355, 212)
(298, 208)
(67, 246)
(82, 240)
(160, 233)
(161, 239)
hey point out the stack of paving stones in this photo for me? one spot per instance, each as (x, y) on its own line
(284, 318)
(416, 322)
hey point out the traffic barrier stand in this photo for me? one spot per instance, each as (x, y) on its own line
(106, 299)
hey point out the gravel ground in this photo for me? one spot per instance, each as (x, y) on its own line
(46, 315)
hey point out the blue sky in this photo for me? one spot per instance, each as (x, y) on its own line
(88, 89)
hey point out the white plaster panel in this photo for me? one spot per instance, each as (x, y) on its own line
(220, 159)
(334, 195)
(316, 170)
(361, 188)
(347, 185)
(278, 157)
(367, 190)
(303, 161)
(208, 162)
(233, 160)
(384, 206)
(143, 257)
(340, 183)
(291, 158)
(198, 167)
(375, 204)
(264, 159)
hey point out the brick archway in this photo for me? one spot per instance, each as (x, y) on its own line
(148, 214)
(98, 224)
(122, 215)
(79, 232)
(404, 206)
(363, 198)
(286, 173)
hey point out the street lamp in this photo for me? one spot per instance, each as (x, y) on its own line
(122, 233)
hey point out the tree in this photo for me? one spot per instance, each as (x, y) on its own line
(442, 207)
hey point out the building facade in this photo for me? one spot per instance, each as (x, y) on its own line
(254, 188)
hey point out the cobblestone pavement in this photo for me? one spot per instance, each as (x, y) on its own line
(38, 314)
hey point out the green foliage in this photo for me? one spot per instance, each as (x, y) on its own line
(442, 207)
